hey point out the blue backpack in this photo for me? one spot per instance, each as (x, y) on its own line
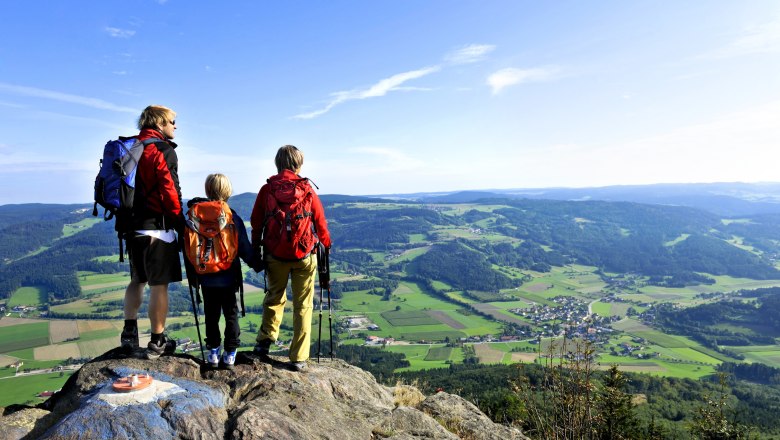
(115, 182)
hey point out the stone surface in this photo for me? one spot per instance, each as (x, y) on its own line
(262, 398)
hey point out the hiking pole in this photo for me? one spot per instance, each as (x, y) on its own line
(330, 323)
(319, 333)
(324, 276)
(330, 303)
(194, 307)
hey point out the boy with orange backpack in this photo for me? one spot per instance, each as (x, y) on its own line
(287, 222)
(214, 237)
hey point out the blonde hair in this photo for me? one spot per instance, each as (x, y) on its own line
(289, 158)
(155, 116)
(218, 187)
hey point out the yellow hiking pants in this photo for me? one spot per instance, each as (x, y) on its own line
(302, 275)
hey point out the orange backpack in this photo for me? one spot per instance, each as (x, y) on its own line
(211, 238)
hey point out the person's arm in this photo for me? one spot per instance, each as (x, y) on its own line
(257, 220)
(167, 173)
(320, 223)
(245, 251)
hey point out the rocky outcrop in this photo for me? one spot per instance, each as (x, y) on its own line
(259, 399)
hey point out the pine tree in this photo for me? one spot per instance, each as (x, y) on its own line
(617, 417)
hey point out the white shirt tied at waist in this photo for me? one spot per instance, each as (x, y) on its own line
(167, 235)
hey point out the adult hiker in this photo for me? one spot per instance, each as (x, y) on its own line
(287, 222)
(152, 242)
(215, 266)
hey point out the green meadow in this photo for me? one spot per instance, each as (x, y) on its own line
(28, 296)
(22, 336)
(25, 389)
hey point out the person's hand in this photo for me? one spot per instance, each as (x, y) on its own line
(258, 264)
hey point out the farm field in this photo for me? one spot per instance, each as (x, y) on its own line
(25, 389)
(27, 296)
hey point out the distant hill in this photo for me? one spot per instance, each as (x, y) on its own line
(727, 199)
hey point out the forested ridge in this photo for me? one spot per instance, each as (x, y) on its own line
(659, 241)
(483, 250)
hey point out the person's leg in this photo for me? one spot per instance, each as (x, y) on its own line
(134, 296)
(277, 273)
(230, 311)
(303, 303)
(162, 266)
(158, 307)
(213, 310)
(134, 293)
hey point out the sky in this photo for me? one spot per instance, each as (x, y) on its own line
(395, 96)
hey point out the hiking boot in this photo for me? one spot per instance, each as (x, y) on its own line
(164, 345)
(262, 347)
(298, 366)
(213, 358)
(229, 359)
(129, 339)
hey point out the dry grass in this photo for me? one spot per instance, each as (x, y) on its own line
(6, 360)
(488, 354)
(61, 331)
(56, 352)
(407, 395)
(91, 326)
(8, 321)
(524, 357)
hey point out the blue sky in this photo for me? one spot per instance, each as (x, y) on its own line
(395, 96)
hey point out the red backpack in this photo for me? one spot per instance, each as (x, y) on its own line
(287, 233)
(211, 238)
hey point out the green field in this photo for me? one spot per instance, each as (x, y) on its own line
(83, 224)
(28, 296)
(602, 308)
(403, 318)
(438, 354)
(23, 336)
(24, 389)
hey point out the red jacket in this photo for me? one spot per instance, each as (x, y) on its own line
(259, 212)
(158, 196)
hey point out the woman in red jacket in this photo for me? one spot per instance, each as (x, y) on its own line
(287, 222)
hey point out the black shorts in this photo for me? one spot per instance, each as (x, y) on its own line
(153, 261)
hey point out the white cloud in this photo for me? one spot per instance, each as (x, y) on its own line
(469, 54)
(64, 97)
(512, 76)
(389, 158)
(381, 88)
(758, 39)
(119, 33)
(740, 146)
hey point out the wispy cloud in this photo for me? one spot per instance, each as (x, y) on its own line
(381, 88)
(469, 54)
(510, 76)
(763, 38)
(118, 33)
(64, 97)
(389, 157)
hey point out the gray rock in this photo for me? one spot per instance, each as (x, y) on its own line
(466, 420)
(259, 399)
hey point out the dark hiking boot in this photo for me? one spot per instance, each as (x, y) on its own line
(163, 346)
(262, 347)
(298, 366)
(129, 339)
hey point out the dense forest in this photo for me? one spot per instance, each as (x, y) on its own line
(673, 245)
(751, 318)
